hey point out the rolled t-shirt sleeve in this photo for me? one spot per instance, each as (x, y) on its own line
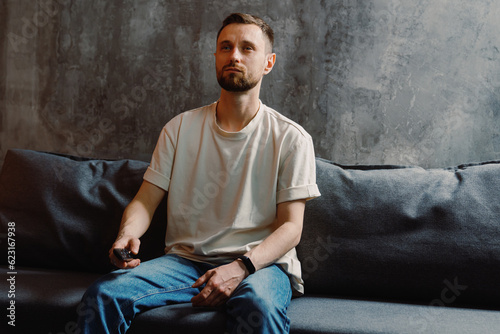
(160, 168)
(297, 174)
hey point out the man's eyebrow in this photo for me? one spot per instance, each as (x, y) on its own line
(249, 43)
(224, 42)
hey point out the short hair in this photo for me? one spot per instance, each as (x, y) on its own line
(249, 19)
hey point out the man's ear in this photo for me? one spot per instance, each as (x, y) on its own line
(270, 61)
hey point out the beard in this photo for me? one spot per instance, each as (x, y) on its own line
(236, 82)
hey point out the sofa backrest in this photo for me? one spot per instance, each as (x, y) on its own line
(67, 210)
(431, 235)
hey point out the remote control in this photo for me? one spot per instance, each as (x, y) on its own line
(124, 254)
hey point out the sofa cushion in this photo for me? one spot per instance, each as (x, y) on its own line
(67, 210)
(46, 301)
(405, 232)
(326, 314)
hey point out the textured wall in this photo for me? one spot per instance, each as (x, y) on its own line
(382, 81)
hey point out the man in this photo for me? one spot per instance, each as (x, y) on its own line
(238, 175)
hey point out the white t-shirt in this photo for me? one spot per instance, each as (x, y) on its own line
(223, 187)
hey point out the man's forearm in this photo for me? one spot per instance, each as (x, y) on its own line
(275, 246)
(283, 239)
(135, 221)
(139, 213)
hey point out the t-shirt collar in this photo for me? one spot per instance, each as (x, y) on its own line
(249, 128)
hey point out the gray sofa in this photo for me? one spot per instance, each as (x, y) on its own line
(386, 249)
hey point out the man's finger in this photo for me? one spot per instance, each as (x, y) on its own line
(134, 245)
(202, 280)
(204, 297)
(125, 265)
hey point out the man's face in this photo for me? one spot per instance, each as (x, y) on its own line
(242, 57)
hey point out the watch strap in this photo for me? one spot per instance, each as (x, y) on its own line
(248, 263)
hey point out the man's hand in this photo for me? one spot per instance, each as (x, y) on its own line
(220, 284)
(129, 243)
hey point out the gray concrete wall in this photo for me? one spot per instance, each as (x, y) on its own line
(374, 82)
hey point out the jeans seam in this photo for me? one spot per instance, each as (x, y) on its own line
(131, 301)
(287, 318)
(156, 292)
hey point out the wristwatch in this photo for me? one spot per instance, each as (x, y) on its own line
(248, 263)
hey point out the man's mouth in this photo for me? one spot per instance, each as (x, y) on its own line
(232, 69)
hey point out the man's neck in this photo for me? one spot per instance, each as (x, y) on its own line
(236, 110)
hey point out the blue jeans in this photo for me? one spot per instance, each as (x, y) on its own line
(110, 304)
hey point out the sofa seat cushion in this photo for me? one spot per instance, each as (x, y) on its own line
(404, 232)
(46, 301)
(315, 314)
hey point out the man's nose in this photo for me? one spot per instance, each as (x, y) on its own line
(235, 55)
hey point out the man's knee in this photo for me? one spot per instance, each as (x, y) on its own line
(95, 299)
(257, 302)
(254, 313)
